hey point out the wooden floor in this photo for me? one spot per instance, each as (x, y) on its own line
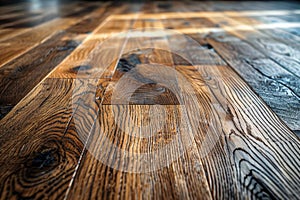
(200, 101)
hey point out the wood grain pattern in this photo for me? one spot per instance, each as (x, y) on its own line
(70, 66)
(42, 165)
(215, 110)
(244, 142)
(174, 180)
(22, 74)
(274, 77)
(13, 48)
(267, 77)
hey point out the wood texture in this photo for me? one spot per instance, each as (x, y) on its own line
(219, 78)
(22, 74)
(273, 71)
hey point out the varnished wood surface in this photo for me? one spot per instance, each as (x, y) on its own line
(243, 68)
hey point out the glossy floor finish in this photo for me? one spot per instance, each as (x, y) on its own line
(160, 100)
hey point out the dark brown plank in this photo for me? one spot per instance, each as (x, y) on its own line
(12, 48)
(21, 75)
(52, 158)
(41, 159)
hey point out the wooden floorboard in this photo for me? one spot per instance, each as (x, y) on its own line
(150, 100)
(22, 74)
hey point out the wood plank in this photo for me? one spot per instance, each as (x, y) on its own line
(217, 139)
(38, 154)
(277, 34)
(16, 15)
(215, 78)
(174, 181)
(256, 50)
(7, 33)
(91, 21)
(236, 117)
(11, 49)
(245, 137)
(272, 82)
(207, 134)
(69, 67)
(56, 162)
(31, 21)
(286, 56)
(142, 50)
(22, 74)
(103, 182)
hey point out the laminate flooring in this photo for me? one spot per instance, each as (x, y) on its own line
(153, 100)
